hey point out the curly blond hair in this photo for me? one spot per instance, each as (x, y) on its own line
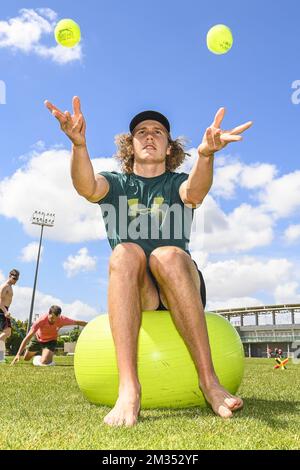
(125, 154)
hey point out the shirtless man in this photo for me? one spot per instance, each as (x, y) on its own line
(6, 295)
(145, 274)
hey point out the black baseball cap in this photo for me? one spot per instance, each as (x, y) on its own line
(149, 115)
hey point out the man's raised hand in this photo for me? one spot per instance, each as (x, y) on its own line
(73, 126)
(216, 139)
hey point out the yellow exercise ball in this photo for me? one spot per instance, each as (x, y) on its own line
(166, 371)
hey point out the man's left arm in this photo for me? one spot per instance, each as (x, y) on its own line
(195, 188)
(67, 321)
(3, 293)
(81, 323)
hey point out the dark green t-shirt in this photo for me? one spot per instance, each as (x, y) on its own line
(146, 211)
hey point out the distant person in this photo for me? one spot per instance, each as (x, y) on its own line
(269, 353)
(43, 335)
(280, 353)
(6, 295)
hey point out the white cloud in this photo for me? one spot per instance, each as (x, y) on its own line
(246, 282)
(245, 228)
(292, 233)
(45, 177)
(234, 302)
(257, 175)
(228, 176)
(246, 277)
(81, 262)
(282, 196)
(189, 161)
(229, 173)
(48, 13)
(59, 54)
(20, 307)
(226, 179)
(46, 182)
(201, 258)
(24, 33)
(2, 277)
(80, 311)
(287, 293)
(279, 196)
(30, 252)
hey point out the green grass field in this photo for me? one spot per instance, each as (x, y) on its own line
(42, 408)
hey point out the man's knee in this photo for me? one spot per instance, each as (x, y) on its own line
(27, 356)
(167, 260)
(47, 357)
(128, 257)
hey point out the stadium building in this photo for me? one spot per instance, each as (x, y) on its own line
(266, 328)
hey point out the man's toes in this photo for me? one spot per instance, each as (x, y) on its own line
(109, 420)
(234, 403)
(130, 422)
(105, 420)
(115, 422)
(239, 404)
(224, 412)
(231, 402)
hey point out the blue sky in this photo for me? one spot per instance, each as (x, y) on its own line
(152, 55)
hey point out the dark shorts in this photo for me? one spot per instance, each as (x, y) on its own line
(202, 287)
(4, 321)
(37, 346)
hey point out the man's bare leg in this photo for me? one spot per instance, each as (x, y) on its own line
(130, 290)
(180, 285)
(47, 356)
(5, 334)
(29, 355)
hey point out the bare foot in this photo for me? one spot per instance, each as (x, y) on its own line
(126, 409)
(221, 401)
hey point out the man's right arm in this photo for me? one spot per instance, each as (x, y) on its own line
(87, 184)
(22, 347)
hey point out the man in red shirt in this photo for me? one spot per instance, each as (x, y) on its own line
(43, 335)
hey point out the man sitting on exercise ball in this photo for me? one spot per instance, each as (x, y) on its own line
(145, 272)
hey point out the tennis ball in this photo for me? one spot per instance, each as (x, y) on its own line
(219, 39)
(67, 33)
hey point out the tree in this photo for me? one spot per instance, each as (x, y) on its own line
(74, 334)
(18, 333)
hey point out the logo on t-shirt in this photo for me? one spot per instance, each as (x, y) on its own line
(136, 208)
(157, 220)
